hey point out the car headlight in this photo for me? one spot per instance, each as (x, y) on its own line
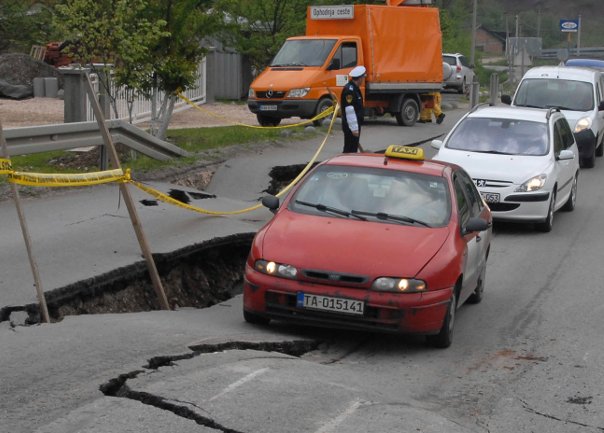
(298, 93)
(582, 124)
(533, 184)
(276, 269)
(399, 285)
(251, 93)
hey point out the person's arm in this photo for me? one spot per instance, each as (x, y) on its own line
(351, 118)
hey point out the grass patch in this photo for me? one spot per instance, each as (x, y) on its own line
(194, 140)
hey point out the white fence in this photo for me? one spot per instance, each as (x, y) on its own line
(142, 107)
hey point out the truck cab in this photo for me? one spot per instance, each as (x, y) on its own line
(303, 78)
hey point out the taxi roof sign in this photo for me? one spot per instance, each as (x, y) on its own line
(405, 152)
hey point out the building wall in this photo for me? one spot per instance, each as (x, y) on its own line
(488, 43)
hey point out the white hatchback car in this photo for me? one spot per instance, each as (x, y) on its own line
(524, 161)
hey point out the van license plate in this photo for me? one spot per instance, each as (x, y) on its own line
(268, 108)
(328, 303)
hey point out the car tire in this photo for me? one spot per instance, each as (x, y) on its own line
(255, 319)
(409, 112)
(478, 295)
(463, 89)
(547, 225)
(600, 150)
(590, 161)
(444, 338)
(324, 104)
(570, 204)
(267, 120)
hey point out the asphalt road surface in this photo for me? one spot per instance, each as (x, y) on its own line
(526, 359)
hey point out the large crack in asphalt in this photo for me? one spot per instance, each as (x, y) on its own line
(118, 387)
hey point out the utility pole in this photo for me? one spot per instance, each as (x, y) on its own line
(579, 37)
(473, 47)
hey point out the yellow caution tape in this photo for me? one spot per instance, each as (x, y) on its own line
(60, 180)
(5, 166)
(118, 175)
(167, 199)
(321, 115)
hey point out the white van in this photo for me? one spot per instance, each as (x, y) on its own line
(578, 94)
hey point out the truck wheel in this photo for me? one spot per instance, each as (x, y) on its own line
(267, 120)
(409, 113)
(324, 104)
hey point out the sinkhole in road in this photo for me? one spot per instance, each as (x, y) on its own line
(196, 276)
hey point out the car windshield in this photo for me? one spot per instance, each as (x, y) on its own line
(303, 52)
(565, 94)
(379, 195)
(500, 136)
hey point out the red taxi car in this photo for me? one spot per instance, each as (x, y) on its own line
(387, 243)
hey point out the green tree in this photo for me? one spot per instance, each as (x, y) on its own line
(258, 28)
(148, 45)
(24, 23)
(114, 38)
(179, 52)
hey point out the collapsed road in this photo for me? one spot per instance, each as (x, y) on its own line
(526, 359)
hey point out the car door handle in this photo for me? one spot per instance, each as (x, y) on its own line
(478, 238)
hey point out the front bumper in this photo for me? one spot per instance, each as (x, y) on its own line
(304, 108)
(410, 313)
(518, 206)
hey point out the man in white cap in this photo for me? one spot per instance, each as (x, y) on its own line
(352, 109)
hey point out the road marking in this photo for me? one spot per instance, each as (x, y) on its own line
(240, 382)
(331, 426)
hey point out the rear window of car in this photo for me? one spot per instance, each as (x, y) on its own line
(565, 94)
(370, 190)
(500, 136)
(450, 60)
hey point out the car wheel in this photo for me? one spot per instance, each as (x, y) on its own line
(463, 90)
(590, 161)
(600, 150)
(548, 224)
(255, 318)
(408, 114)
(476, 297)
(267, 120)
(324, 104)
(572, 199)
(444, 338)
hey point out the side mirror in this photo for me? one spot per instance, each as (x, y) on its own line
(436, 144)
(334, 65)
(271, 202)
(601, 106)
(476, 224)
(565, 155)
(506, 99)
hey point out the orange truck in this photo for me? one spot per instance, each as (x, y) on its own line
(399, 44)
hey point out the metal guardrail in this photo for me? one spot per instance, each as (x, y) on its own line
(67, 136)
(552, 53)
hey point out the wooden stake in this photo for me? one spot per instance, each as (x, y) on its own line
(115, 162)
(26, 237)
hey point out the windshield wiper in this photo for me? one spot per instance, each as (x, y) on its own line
(329, 209)
(287, 64)
(387, 217)
(494, 152)
(530, 106)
